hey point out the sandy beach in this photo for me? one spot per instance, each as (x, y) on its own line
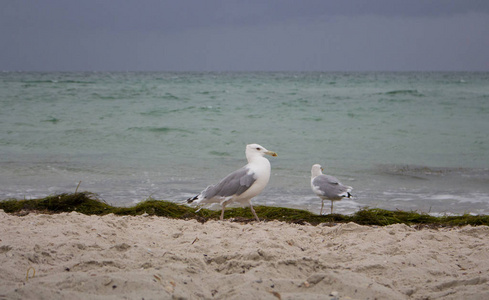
(75, 256)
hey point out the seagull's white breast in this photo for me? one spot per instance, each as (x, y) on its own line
(260, 167)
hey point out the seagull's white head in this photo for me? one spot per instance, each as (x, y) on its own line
(253, 150)
(316, 170)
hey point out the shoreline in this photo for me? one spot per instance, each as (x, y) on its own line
(113, 257)
(89, 204)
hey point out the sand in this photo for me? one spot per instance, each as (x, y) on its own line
(74, 256)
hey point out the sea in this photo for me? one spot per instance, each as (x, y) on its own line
(413, 141)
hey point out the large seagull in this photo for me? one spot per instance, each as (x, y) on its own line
(241, 185)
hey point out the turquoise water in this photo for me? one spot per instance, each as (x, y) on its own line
(411, 141)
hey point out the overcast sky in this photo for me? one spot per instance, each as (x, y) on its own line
(246, 35)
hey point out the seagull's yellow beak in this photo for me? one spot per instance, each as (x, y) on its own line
(271, 153)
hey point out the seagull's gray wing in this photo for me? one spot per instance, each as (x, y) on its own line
(330, 187)
(235, 183)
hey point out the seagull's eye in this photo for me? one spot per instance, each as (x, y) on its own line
(258, 148)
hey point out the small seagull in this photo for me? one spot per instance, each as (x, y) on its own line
(241, 185)
(328, 187)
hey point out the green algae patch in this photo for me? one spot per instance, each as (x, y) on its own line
(85, 203)
(88, 203)
(157, 208)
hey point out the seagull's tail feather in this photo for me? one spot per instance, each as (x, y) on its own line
(201, 196)
(348, 190)
(192, 199)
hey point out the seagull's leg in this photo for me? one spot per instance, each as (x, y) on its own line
(222, 211)
(332, 206)
(322, 205)
(254, 213)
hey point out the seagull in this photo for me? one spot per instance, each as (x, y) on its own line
(242, 184)
(327, 187)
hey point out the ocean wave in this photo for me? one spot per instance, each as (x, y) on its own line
(399, 169)
(50, 81)
(161, 112)
(170, 96)
(51, 120)
(104, 97)
(415, 93)
(159, 129)
(220, 154)
(468, 198)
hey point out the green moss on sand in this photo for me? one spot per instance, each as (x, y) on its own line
(90, 204)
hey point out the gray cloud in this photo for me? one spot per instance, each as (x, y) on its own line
(244, 35)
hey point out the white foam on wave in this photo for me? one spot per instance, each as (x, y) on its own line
(469, 198)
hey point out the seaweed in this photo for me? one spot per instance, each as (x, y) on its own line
(85, 202)
(89, 203)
